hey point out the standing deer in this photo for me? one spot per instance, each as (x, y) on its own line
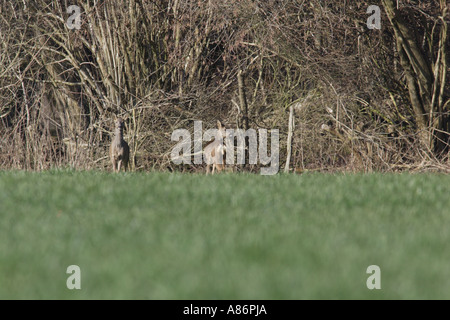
(119, 150)
(215, 151)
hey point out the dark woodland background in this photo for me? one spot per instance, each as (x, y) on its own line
(361, 99)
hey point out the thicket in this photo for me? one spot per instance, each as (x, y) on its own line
(361, 99)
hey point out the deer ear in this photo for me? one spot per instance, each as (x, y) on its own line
(219, 124)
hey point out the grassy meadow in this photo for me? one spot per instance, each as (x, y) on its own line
(229, 236)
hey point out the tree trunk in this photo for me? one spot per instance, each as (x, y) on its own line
(425, 83)
(289, 139)
(243, 99)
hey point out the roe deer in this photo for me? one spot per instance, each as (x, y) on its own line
(215, 151)
(119, 150)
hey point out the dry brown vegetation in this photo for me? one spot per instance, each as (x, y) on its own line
(362, 99)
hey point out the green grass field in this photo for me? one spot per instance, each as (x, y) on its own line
(175, 236)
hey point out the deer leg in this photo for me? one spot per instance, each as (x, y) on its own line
(221, 166)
